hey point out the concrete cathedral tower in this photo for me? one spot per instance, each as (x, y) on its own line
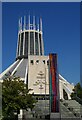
(31, 64)
(30, 40)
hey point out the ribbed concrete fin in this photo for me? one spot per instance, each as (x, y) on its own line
(62, 78)
(67, 89)
(9, 69)
(26, 74)
(21, 69)
(15, 70)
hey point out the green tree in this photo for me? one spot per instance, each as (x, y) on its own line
(0, 99)
(15, 96)
(77, 92)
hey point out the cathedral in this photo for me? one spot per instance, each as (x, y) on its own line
(31, 64)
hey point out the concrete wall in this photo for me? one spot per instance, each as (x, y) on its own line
(35, 80)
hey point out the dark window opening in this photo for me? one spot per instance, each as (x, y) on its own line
(27, 81)
(44, 61)
(65, 95)
(36, 44)
(47, 62)
(37, 61)
(26, 43)
(31, 43)
(40, 44)
(32, 62)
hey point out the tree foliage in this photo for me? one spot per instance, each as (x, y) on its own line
(15, 96)
(77, 92)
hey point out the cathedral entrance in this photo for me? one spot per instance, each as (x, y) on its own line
(65, 95)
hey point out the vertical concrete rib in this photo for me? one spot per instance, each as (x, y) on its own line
(29, 43)
(41, 36)
(21, 24)
(34, 42)
(38, 42)
(24, 35)
(17, 52)
(26, 74)
(29, 35)
(24, 22)
(24, 43)
(29, 22)
(42, 44)
(20, 45)
(34, 32)
(40, 24)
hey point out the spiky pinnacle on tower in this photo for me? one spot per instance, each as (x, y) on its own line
(30, 38)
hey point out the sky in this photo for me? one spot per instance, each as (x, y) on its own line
(0, 36)
(61, 33)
